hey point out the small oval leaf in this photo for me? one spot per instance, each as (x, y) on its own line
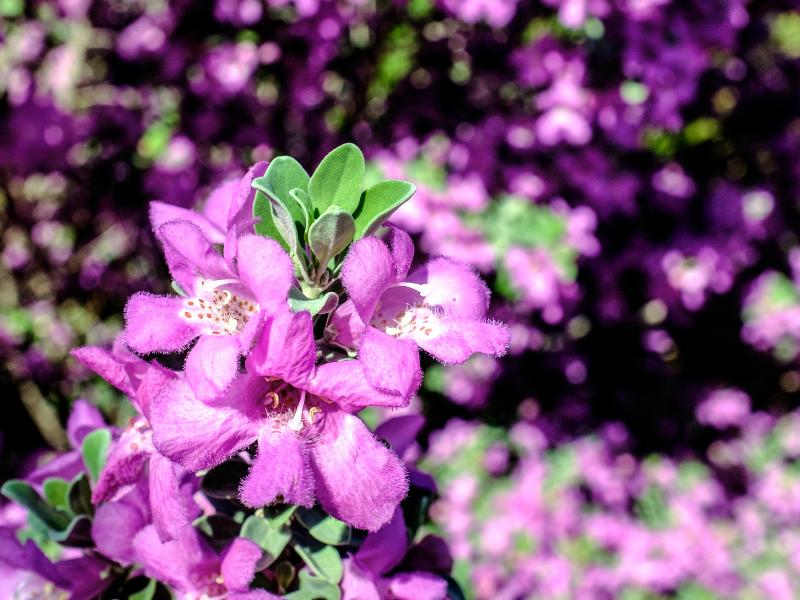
(323, 560)
(325, 528)
(378, 204)
(22, 493)
(330, 234)
(95, 451)
(338, 180)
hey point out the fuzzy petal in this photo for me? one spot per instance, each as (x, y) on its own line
(367, 271)
(153, 324)
(391, 365)
(190, 254)
(418, 586)
(253, 595)
(211, 365)
(383, 550)
(458, 341)
(125, 463)
(345, 383)
(266, 269)
(113, 528)
(84, 418)
(107, 366)
(218, 204)
(162, 213)
(453, 287)
(286, 349)
(239, 564)
(175, 562)
(281, 468)
(196, 435)
(154, 379)
(401, 431)
(402, 249)
(170, 511)
(358, 583)
(27, 557)
(66, 466)
(241, 208)
(359, 480)
(347, 326)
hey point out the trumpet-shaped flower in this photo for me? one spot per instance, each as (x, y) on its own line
(228, 299)
(309, 444)
(440, 307)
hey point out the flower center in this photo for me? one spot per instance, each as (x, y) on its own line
(293, 408)
(218, 310)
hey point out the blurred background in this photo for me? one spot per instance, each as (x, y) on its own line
(624, 173)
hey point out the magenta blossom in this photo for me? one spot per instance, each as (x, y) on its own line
(309, 443)
(192, 568)
(227, 301)
(441, 307)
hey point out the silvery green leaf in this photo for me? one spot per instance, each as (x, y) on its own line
(378, 203)
(330, 234)
(338, 180)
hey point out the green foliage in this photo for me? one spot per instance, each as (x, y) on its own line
(331, 233)
(338, 180)
(94, 450)
(378, 204)
(324, 528)
(271, 538)
(324, 561)
(315, 588)
(22, 493)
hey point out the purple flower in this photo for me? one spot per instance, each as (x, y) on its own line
(228, 300)
(192, 568)
(366, 572)
(309, 445)
(441, 307)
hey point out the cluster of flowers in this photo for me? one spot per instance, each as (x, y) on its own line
(587, 519)
(296, 316)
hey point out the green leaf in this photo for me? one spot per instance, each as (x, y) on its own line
(378, 203)
(272, 540)
(284, 574)
(315, 588)
(223, 481)
(330, 234)
(283, 175)
(22, 493)
(301, 197)
(95, 451)
(278, 514)
(323, 304)
(325, 528)
(338, 180)
(147, 593)
(56, 492)
(263, 209)
(77, 534)
(321, 559)
(80, 496)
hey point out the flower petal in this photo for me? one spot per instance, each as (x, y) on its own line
(83, 419)
(125, 462)
(239, 564)
(402, 249)
(212, 365)
(454, 287)
(218, 204)
(383, 550)
(161, 213)
(169, 505)
(190, 254)
(153, 324)
(281, 468)
(175, 562)
(286, 349)
(400, 431)
(418, 586)
(346, 326)
(196, 435)
(359, 480)
(345, 383)
(367, 271)
(241, 208)
(113, 528)
(391, 365)
(266, 269)
(358, 584)
(457, 341)
(106, 365)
